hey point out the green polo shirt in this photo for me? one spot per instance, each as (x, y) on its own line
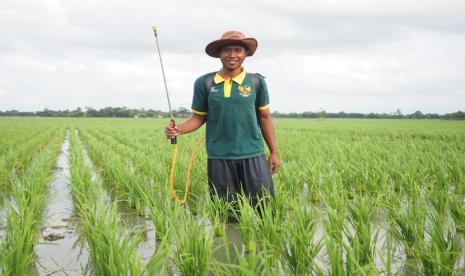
(233, 131)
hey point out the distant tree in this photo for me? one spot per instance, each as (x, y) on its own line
(276, 114)
(417, 115)
(432, 116)
(77, 112)
(459, 115)
(309, 114)
(124, 112)
(92, 112)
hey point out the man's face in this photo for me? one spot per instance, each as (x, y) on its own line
(232, 56)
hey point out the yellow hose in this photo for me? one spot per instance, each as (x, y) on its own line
(188, 175)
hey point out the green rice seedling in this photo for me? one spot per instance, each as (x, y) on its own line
(335, 211)
(334, 225)
(362, 237)
(219, 211)
(198, 189)
(268, 231)
(440, 255)
(334, 251)
(259, 264)
(163, 212)
(120, 171)
(279, 205)
(457, 211)
(17, 248)
(194, 245)
(352, 261)
(387, 258)
(83, 188)
(302, 247)
(456, 168)
(111, 166)
(402, 161)
(407, 225)
(25, 212)
(438, 199)
(18, 157)
(248, 222)
(113, 252)
(250, 264)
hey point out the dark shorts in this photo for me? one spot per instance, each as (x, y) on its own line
(229, 177)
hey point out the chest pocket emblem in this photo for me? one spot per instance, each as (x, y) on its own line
(245, 90)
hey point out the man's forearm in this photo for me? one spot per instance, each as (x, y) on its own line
(268, 132)
(192, 124)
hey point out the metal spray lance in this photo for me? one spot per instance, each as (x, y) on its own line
(173, 141)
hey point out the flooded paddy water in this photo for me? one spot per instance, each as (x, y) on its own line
(59, 250)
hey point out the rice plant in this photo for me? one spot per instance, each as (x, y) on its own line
(362, 236)
(407, 225)
(302, 245)
(341, 181)
(254, 263)
(194, 245)
(163, 212)
(269, 231)
(25, 212)
(219, 211)
(334, 225)
(457, 211)
(112, 250)
(440, 255)
(248, 222)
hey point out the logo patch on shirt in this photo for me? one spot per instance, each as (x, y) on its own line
(213, 89)
(245, 90)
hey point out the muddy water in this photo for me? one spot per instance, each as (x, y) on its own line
(139, 225)
(147, 247)
(58, 250)
(227, 253)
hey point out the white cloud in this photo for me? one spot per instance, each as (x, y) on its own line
(359, 56)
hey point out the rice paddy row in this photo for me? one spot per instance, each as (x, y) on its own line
(354, 197)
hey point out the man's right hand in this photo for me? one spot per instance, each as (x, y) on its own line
(171, 131)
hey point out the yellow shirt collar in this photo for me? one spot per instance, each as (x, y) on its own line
(238, 79)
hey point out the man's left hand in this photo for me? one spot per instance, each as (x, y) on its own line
(274, 163)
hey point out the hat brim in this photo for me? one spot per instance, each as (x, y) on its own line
(213, 48)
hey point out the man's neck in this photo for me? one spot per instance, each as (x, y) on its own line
(230, 74)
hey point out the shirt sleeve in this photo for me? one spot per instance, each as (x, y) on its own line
(200, 99)
(263, 100)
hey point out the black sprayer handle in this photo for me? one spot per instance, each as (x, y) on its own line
(173, 141)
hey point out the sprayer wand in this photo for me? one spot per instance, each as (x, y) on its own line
(173, 141)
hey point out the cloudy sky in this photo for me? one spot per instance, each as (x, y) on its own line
(348, 55)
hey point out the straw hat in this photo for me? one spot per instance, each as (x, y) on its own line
(229, 38)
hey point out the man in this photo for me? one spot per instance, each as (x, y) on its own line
(236, 114)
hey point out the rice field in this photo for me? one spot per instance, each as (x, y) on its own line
(353, 197)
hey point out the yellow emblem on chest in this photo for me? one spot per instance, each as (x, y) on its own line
(245, 90)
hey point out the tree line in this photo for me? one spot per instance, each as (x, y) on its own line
(459, 115)
(124, 112)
